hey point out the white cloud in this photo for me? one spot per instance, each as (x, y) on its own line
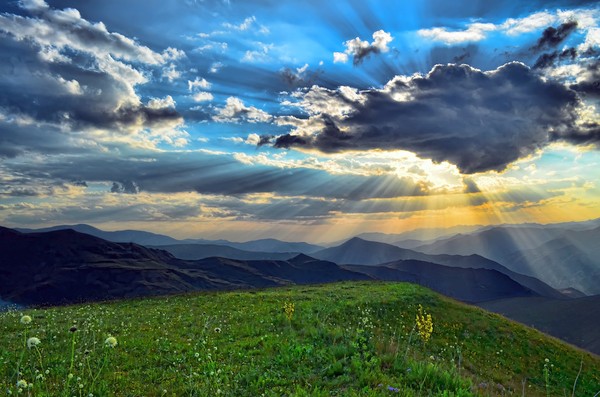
(530, 23)
(360, 49)
(245, 25)
(340, 57)
(253, 139)
(259, 55)
(33, 5)
(235, 110)
(171, 73)
(173, 54)
(202, 96)
(475, 32)
(198, 83)
(161, 103)
(215, 67)
(70, 86)
(592, 40)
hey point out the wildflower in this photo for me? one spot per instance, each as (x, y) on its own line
(22, 384)
(547, 360)
(25, 319)
(424, 324)
(218, 330)
(32, 342)
(289, 308)
(111, 341)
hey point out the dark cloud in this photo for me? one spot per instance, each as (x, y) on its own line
(66, 75)
(552, 37)
(264, 140)
(128, 187)
(548, 59)
(300, 77)
(212, 174)
(589, 84)
(470, 186)
(477, 120)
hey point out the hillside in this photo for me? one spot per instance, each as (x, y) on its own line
(468, 285)
(201, 251)
(569, 261)
(494, 243)
(556, 317)
(65, 266)
(344, 339)
(357, 251)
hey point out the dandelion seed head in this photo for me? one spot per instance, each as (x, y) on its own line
(33, 341)
(22, 384)
(25, 319)
(111, 341)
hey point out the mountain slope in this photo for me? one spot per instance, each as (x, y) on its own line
(120, 236)
(576, 321)
(346, 339)
(465, 284)
(569, 261)
(494, 243)
(357, 251)
(66, 266)
(200, 251)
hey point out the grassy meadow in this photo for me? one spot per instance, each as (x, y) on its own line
(343, 339)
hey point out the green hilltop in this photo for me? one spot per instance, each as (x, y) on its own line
(342, 339)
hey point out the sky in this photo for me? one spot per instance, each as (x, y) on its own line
(300, 120)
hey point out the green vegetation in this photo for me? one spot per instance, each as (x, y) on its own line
(346, 339)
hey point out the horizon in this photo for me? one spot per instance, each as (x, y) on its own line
(298, 121)
(467, 229)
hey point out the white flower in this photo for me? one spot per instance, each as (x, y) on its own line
(33, 341)
(111, 341)
(22, 384)
(25, 319)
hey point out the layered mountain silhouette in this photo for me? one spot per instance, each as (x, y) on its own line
(65, 266)
(201, 251)
(559, 257)
(153, 239)
(466, 284)
(357, 251)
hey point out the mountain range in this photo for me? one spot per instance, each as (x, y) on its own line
(63, 266)
(560, 257)
(153, 239)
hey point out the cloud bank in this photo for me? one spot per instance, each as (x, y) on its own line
(479, 121)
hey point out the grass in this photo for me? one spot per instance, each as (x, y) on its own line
(345, 339)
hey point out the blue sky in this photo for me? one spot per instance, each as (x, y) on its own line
(298, 119)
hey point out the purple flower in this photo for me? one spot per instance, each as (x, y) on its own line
(395, 390)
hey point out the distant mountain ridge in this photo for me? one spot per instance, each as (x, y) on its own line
(465, 284)
(153, 239)
(201, 251)
(559, 257)
(65, 266)
(357, 251)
